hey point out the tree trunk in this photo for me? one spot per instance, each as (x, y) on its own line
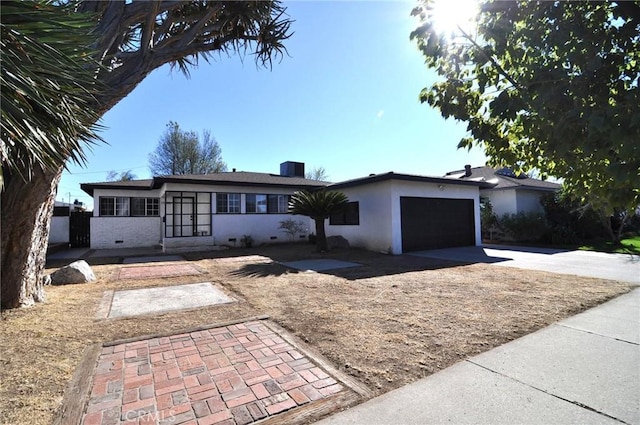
(26, 209)
(321, 236)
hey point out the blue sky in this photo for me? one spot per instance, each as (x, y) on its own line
(346, 99)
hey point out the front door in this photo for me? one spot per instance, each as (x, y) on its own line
(183, 216)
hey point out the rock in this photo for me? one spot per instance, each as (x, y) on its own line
(340, 242)
(76, 272)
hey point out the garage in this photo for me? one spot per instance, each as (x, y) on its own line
(432, 223)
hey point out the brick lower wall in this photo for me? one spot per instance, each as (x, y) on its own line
(125, 232)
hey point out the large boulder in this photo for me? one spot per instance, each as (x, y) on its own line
(76, 272)
(337, 242)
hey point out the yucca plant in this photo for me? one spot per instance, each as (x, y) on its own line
(318, 205)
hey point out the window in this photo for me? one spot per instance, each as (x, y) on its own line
(112, 206)
(256, 203)
(349, 216)
(228, 203)
(145, 206)
(272, 204)
(277, 204)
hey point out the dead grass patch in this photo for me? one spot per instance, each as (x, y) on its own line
(389, 322)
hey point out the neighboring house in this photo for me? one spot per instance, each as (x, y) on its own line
(396, 213)
(195, 211)
(390, 212)
(59, 232)
(511, 193)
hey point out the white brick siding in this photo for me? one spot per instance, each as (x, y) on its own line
(106, 232)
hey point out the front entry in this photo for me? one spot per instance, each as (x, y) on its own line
(183, 217)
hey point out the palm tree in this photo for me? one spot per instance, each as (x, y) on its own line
(318, 205)
(47, 90)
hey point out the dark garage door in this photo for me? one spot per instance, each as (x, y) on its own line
(432, 223)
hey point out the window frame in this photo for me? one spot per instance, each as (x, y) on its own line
(350, 216)
(227, 204)
(119, 204)
(150, 205)
(256, 206)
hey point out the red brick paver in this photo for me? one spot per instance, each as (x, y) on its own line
(235, 374)
(148, 272)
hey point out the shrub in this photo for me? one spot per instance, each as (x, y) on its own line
(246, 241)
(524, 227)
(292, 227)
(570, 221)
(488, 219)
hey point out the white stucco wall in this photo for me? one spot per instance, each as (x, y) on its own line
(502, 201)
(511, 201)
(263, 228)
(529, 201)
(59, 232)
(374, 231)
(125, 232)
(380, 217)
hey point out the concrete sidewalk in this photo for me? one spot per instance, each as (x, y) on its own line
(585, 369)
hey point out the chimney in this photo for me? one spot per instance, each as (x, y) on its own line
(292, 169)
(467, 170)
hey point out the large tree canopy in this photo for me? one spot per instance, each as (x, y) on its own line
(182, 152)
(551, 86)
(128, 40)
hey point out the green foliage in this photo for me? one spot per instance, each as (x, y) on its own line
(626, 246)
(488, 219)
(570, 221)
(524, 227)
(318, 205)
(292, 227)
(48, 85)
(181, 152)
(551, 86)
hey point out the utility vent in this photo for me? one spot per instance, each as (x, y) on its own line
(292, 169)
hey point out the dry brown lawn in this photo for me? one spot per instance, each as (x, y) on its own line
(389, 322)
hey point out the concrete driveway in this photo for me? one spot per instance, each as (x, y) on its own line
(621, 267)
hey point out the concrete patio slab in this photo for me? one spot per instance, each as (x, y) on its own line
(152, 259)
(319, 265)
(134, 302)
(235, 374)
(621, 267)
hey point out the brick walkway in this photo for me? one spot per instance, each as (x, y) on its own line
(148, 272)
(235, 374)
